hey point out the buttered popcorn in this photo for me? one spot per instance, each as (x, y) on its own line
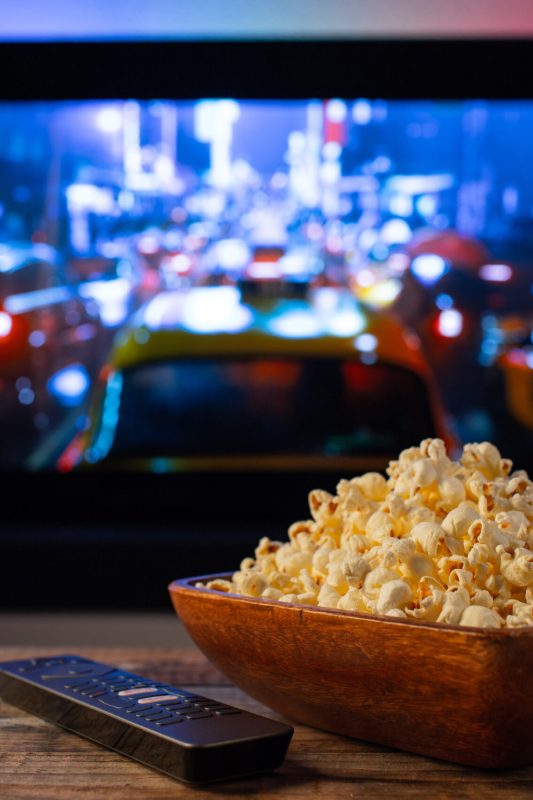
(440, 541)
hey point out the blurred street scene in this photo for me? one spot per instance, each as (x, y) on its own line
(114, 213)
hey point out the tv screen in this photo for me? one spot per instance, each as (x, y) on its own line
(221, 283)
(231, 272)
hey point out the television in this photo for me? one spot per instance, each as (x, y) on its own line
(231, 272)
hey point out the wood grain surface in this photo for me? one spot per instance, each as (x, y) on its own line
(459, 694)
(41, 762)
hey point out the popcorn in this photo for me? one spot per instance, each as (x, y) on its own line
(438, 540)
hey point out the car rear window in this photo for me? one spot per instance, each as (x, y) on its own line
(269, 406)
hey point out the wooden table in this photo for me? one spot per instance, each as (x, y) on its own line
(43, 762)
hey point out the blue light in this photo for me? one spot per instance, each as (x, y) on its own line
(362, 112)
(444, 301)
(429, 268)
(26, 397)
(366, 343)
(70, 385)
(109, 420)
(37, 338)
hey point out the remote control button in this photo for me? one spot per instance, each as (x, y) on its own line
(170, 721)
(181, 707)
(159, 716)
(113, 701)
(88, 690)
(78, 685)
(197, 715)
(142, 712)
(170, 701)
(224, 711)
(158, 698)
(138, 690)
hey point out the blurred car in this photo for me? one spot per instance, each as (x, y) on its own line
(211, 380)
(49, 339)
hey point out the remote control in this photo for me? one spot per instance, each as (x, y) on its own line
(175, 731)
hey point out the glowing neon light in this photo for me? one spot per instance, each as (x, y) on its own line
(296, 324)
(216, 310)
(109, 420)
(20, 303)
(366, 277)
(444, 301)
(396, 231)
(148, 244)
(231, 253)
(362, 112)
(264, 270)
(69, 385)
(496, 273)
(37, 338)
(429, 268)
(6, 323)
(382, 294)
(346, 323)
(401, 204)
(26, 397)
(450, 323)
(112, 298)
(336, 110)
(109, 120)
(420, 184)
(427, 205)
(366, 343)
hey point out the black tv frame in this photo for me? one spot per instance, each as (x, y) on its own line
(112, 529)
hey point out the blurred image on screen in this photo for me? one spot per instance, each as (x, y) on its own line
(183, 282)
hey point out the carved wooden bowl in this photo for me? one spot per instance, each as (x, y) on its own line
(455, 693)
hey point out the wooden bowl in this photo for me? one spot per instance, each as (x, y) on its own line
(455, 693)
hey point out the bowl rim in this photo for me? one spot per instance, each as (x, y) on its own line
(189, 585)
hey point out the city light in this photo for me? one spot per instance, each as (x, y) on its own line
(336, 110)
(496, 273)
(444, 301)
(396, 231)
(6, 323)
(109, 120)
(69, 385)
(362, 112)
(450, 323)
(296, 324)
(429, 268)
(346, 323)
(366, 343)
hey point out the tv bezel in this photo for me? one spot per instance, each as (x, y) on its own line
(437, 69)
(261, 69)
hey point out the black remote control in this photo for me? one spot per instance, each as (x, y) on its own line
(177, 732)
